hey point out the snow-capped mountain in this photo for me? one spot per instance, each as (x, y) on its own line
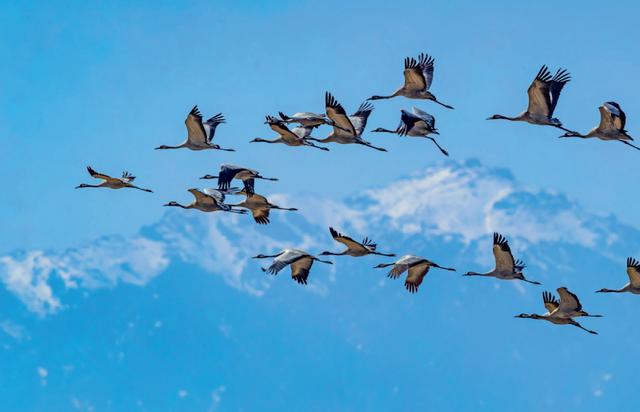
(193, 272)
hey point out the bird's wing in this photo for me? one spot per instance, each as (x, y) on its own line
(502, 253)
(550, 301)
(415, 276)
(619, 119)
(346, 240)
(606, 119)
(282, 129)
(413, 76)
(302, 131)
(261, 215)
(336, 112)
(300, 269)
(426, 117)
(633, 270)
(561, 78)
(195, 129)
(227, 174)
(211, 124)
(539, 93)
(97, 175)
(217, 195)
(426, 65)
(202, 198)
(403, 264)
(568, 301)
(359, 118)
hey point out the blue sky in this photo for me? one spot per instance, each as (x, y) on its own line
(101, 84)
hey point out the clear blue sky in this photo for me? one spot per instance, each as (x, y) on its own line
(103, 83)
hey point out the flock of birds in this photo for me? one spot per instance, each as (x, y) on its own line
(543, 93)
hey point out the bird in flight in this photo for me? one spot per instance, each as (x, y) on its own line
(347, 129)
(506, 267)
(207, 200)
(299, 260)
(418, 75)
(298, 136)
(633, 271)
(366, 247)
(560, 312)
(417, 268)
(199, 134)
(417, 123)
(229, 172)
(611, 127)
(259, 206)
(544, 93)
(112, 182)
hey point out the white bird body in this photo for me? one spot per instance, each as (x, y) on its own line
(633, 286)
(299, 260)
(200, 134)
(506, 268)
(126, 181)
(417, 268)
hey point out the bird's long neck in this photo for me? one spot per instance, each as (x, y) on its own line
(323, 261)
(86, 186)
(382, 254)
(383, 130)
(478, 274)
(335, 254)
(267, 140)
(292, 209)
(325, 140)
(513, 119)
(164, 147)
(605, 290)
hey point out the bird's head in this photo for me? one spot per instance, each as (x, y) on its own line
(256, 140)
(209, 177)
(526, 316)
(260, 256)
(81, 185)
(469, 274)
(378, 130)
(172, 203)
(496, 117)
(161, 147)
(326, 253)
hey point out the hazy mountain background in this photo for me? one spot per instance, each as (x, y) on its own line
(178, 317)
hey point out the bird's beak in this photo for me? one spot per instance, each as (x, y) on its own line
(489, 118)
(167, 204)
(78, 187)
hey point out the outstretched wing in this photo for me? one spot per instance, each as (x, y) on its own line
(424, 116)
(202, 198)
(226, 175)
(618, 118)
(195, 129)
(550, 301)
(502, 253)
(359, 118)
(416, 276)
(633, 270)
(261, 215)
(211, 125)
(346, 240)
(414, 79)
(568, 301)
(426, 65)
(561, 78)
(539, 93)
(336, 112)
(97, 175)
